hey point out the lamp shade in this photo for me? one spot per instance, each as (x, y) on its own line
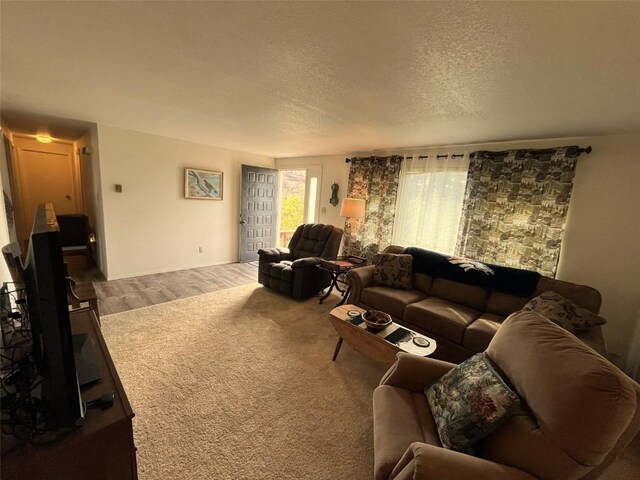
(352, 208)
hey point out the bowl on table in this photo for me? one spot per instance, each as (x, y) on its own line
(376, 320)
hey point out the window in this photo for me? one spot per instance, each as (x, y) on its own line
(430, 201)
(313, 195)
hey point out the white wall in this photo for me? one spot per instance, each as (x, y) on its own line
(600, 246)
(5, 276)
(6, 182)
(334, 169)
(150, 227)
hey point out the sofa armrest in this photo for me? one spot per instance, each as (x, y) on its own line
(305, 262)
(359, 279)
(274, 254)
(429, 462)
(414, 373)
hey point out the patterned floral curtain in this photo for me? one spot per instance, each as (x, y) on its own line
(374, 179)
(515, 207)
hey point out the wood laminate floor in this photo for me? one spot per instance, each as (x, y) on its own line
(116, 296)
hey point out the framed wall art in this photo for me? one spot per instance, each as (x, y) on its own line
(202, 184)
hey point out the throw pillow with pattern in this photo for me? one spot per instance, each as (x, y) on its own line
(469, 402)
(563, 312)
(393, 270)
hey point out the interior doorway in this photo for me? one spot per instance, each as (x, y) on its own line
(44, 173)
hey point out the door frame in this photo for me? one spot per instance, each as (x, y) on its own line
(22, 142)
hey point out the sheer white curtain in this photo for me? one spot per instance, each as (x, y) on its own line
(430, 201)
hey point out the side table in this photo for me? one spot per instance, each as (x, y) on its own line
(336, 269)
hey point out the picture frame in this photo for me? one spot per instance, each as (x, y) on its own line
(203, 184)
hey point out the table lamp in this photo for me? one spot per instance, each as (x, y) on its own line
(353, 208)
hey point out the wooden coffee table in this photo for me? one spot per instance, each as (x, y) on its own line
(381, 346)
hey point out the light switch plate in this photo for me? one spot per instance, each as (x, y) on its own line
(118, 188)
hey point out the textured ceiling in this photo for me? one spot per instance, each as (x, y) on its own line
(305, 78)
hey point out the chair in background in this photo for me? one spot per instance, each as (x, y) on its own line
(292, 270)
(11, 253)
(76, 235)
(78, 294)
(579, 412)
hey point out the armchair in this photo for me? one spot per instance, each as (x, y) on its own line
(579, 412)
(292, 270)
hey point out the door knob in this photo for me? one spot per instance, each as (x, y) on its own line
(68, 197)
(242, 222)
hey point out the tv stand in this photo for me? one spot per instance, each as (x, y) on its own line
(101, 449)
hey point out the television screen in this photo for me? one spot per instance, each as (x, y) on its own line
(45, 285)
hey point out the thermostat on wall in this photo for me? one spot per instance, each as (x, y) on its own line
(118, 188)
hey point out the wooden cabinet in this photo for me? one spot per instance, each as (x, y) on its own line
(101, 449)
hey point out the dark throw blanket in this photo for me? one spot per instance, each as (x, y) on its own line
(514, 281)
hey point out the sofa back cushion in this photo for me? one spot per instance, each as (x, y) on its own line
(315, 240)
(584, 296)
(460, 293)
(504, 304)
(579, 404)
(422, 282)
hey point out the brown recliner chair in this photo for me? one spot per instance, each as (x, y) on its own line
(292, 270)
(579, 412)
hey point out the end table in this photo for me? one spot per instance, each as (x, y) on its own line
(337, 269)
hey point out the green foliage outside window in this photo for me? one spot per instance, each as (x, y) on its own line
(292, 213)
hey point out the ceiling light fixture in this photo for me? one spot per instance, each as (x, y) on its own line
(43, 139)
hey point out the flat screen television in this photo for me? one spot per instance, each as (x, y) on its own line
(45, 284)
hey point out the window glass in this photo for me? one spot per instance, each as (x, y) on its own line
(430, 201)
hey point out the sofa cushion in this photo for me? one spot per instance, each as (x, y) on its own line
(504, 304)
(393, 270)
(400, 417)
(563, 312)
(443, 318)
(390, 300)
(282, 271)
(469, 402)
(479, 333)
(467, 295)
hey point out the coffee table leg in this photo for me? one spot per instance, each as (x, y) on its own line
(338, 345)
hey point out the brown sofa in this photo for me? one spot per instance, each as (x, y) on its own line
(578, 413)
(462, 318)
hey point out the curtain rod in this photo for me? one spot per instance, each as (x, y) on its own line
(578, 150)
(588, 149)
(348, 160)
(455, 155)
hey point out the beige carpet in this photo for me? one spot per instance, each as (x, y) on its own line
(239, 383)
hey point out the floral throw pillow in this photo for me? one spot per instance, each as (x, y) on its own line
(469, 402)
(393, 270)
(563, 312)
